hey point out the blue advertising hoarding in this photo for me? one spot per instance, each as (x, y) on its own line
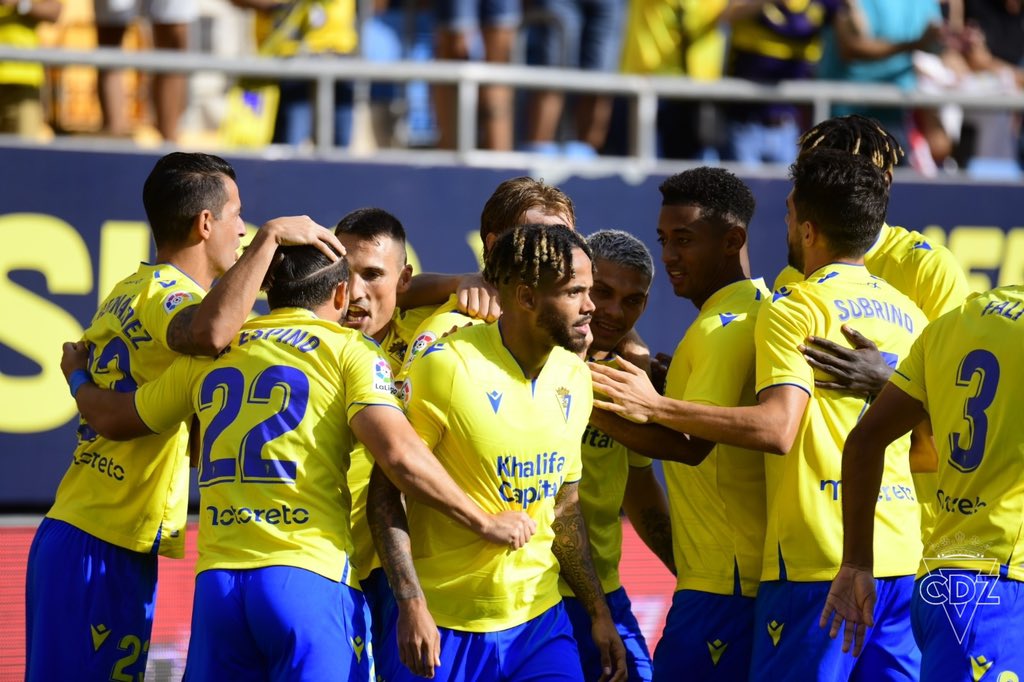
(72, 224)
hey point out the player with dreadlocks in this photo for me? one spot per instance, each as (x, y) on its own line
(504, 407)
(926, 273)
(275, 591)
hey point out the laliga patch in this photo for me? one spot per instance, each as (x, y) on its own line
(382, 379)
(405, 391)
(174, 301)
(422, 341)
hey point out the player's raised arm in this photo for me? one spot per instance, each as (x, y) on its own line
(398, 450)
(572, 549)
(208, 328)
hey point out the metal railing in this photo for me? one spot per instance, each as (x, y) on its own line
(643, 92)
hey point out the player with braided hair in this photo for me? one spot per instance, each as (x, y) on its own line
(858, 135)
(926, 273)
(504, 406)
(277, 413)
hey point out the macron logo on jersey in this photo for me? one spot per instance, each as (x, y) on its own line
(923, 245)
(726, 318)
(495, 398)
(783, 292)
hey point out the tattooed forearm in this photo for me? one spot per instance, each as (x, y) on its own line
(572, 549)
(390, 529)
(655, 528)
(180, 336)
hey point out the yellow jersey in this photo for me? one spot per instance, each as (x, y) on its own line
(965, 369)
(510, 442)
(19, 31)
(927, 274)
(273, 413)
(718, 507)
(606, 465)
(393, 346)
(325, 26)
(804, 539)
(133, 494)
(674, 37)
(434, 327)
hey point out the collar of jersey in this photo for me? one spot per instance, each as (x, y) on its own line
(833, 265)
(729, 289)
(176, 269)
(509, 360)
(882, 234)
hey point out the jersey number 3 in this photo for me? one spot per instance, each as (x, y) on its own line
(986, 366)
(248, 464)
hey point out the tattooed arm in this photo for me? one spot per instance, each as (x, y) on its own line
(419, 642)
(647, 508)
(572, 549)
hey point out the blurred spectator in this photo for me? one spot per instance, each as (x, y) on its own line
(401, 113)
(324, 28)
(872, 42)
(170, 21)
(584, 34)
(678, 37)
(1002, 24)
(21, 110)
(459, 23)
(772, 41)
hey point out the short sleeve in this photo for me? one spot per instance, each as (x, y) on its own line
(941, 283)
(432, 329)
(427, 393)
(167, 401)
(581, 395)
(909, 377)
(780, 330)
(167, 298)
(638, 461)
(788, 276)
(366, 377)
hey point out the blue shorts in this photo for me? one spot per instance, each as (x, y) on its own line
(706, 637)
(586, 35)
(464, 15)
(790, 645)
(277, 623)
(978, 633)
(638, 658)
(380, 600)
(540, 650)
(88, 606)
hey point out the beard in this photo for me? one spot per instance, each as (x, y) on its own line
(562, 332)
(794, 256)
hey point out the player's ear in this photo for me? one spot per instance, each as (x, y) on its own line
(404, 278)
(735, 239)
(489, 242)
(341, 296)
(202, 224)
(526, 297)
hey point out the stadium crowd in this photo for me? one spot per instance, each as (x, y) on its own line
(409, 476)
(974, 46)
